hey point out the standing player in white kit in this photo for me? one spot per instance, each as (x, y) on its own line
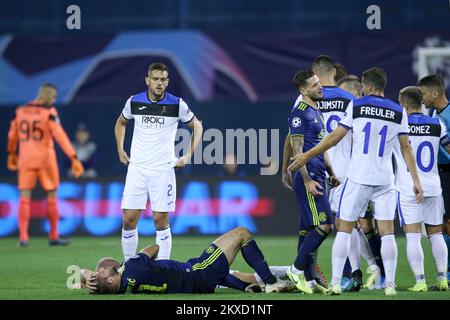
(425, 135)
(151, 174)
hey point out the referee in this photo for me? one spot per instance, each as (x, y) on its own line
(433, 90)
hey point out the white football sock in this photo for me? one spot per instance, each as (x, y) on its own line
(440, 253)
(339, 253)
(164, 241)
(129, 243)
(279, 271)
(389, 256)
(415, 256)
(296, 271)
(355, 250)
(365, 249)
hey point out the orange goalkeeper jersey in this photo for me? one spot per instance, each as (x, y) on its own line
(33, 129)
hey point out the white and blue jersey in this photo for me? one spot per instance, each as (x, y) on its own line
(155, 128)
(376, 123)
(426, 135)
(333, 107)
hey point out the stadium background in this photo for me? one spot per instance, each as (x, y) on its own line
(232, 61)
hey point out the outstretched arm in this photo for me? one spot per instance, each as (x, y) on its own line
(408, 156)
(331, 140)
(329, 167)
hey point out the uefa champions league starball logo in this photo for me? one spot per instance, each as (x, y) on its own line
(296, 122)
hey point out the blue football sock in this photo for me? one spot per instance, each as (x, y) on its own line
(231, 281)
(311, 243)
(374, 240)
(301, 237)
(255, 259)
(347, 273)
(447, 242)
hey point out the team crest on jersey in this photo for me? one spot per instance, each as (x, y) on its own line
(322, 216)
(296, 122)
(210, 250)
(164, 109)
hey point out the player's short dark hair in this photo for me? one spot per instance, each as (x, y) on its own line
(157, 66)
(301, 77)
(412, 95)
(49, 85)
(323, 63)
(341, 72)
(376, 77)
(433, 81)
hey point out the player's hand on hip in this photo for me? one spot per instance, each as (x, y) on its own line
(418, 192)
(299, 160)
(314, 188)
(181, 162)
(123, 157)
(13, 162)
(334, 181)
(77, 168)
(286, 179)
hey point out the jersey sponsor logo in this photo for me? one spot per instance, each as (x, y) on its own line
(153, 122)
(142, 108)
(296, 122)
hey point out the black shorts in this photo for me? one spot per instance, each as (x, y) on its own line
(209, 269)
(444, 174)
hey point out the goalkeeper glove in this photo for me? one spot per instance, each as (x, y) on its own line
(77, 168)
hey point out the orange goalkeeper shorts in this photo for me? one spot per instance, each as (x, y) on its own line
(48, 178)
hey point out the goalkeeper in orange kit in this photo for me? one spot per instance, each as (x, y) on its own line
(33, 128)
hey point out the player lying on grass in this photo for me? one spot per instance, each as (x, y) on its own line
(143, 274)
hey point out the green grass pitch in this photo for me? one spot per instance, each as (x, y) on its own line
(40, 271)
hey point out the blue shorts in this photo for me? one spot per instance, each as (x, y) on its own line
(209, 269)
(313, 211)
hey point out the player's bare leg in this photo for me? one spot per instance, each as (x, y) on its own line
(130, 238)
(163, 234)
(24, 217)
(440, 255)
